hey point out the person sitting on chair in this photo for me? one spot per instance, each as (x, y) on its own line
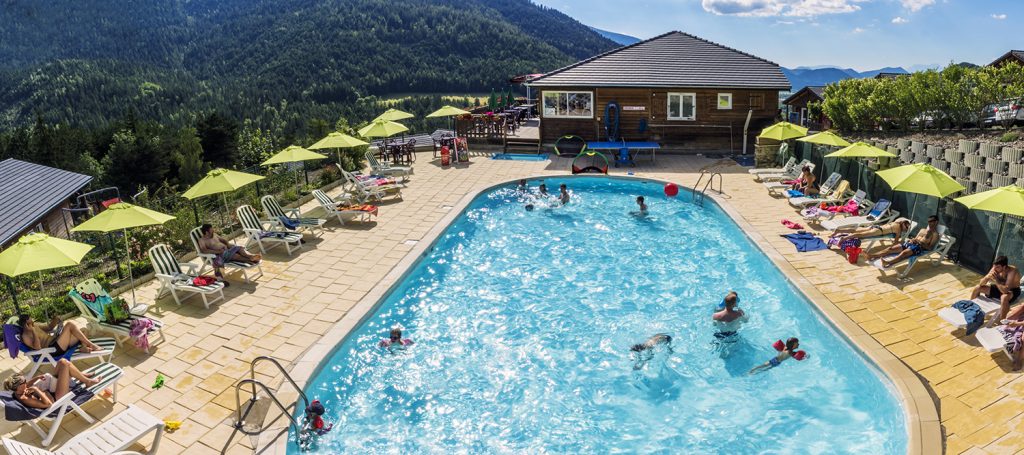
(1002, 282)
(211, 243)
(41, 391)
(60, 336)
(924, 241)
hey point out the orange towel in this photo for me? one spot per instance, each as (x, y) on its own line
(372, 209)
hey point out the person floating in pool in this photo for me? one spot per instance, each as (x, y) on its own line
(395, 342)
(644, 352)
(563, 195)
(785, 351)
(728, 317)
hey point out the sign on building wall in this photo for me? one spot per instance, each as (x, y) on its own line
(634, 108)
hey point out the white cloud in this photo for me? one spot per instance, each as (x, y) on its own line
(794, 8)
(899, 20)
(858, 30)
(916, 5)
(998, 17)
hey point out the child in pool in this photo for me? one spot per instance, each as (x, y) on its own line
(789, 350)
(563, 194)
(522, 186)
(644, 352)
(643, 206)
(395, 341)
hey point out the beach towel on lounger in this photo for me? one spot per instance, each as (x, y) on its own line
(1012, 336)
(972, 314)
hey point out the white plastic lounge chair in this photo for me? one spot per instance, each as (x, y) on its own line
(44, 356)
(121, 330)
(781, 188)
(262, 232)
(880, 213)
(992, 340)
(275, 212)
(14, 410)
(786, 168)
(813, 215)
(792, 174)
(388, 169)
(831, 195)
(208, 259)
(114, 435)
(903, 237)
(364, 191)
(173, 277)
(330, 207)
(936, 254)
(988, 305)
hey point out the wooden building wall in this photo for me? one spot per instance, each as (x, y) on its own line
(710, 130)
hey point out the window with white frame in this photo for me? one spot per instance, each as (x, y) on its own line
(568, 104)
(725, 100)
(682, 106)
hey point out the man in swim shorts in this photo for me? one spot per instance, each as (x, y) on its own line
(924, 241)
(1003, 283)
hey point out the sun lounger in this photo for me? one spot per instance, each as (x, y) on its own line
(364, 191)
(880, 213)
(869, 242)
(120, 330)
(113, 436)
(208, 259)
(815, 214)
(935, 254)
(263, 232)
(388, 169)
(833, 195)
(16, 412)
(173, 277)
(992, 340)
(45, 356)
(955, 317)
(340, 211)
(785, 169)
(275, 212)
(781, 188)
(791, 175)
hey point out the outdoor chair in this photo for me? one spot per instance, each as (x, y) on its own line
(774, 184)
(262, 233)
(275, 212)
(113, 436)
(832, 195)
(14, 411)
(387, 169)
(208, 259)
(44, 356)
(787, 168)
(936, 254)
(89, 296)
(955, 317)
(879, 214)
(364, 191)
(793, 173)
(343, 213)
(177, 277)
(992, 340)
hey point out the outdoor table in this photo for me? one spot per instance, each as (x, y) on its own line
(635, 148)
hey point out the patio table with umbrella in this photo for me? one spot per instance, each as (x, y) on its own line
(121, 217)
(338, 141)
(783, 131)
(382, 129)
(826, 138)
(293, 154)
(1007, 200)
(920, 178)
(860, 150)
(36, 252)
(447, 111)
(220, 181)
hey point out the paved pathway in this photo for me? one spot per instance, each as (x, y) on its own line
(300, 297)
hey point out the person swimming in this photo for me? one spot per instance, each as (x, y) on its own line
(644, 352)
(785, 351)
(643, 206)
(395, 341)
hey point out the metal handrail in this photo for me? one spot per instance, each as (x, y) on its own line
(709, 184)
(252, 375)
(239, 425)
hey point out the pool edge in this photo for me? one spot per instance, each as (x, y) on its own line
(924, 431)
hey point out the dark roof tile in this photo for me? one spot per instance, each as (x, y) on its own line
(30, 191)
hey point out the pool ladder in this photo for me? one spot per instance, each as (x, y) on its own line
(260, 403)
(709, 184)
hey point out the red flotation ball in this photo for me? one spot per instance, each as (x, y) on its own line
(671, 189)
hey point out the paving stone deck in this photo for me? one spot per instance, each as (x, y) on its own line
(301, 297)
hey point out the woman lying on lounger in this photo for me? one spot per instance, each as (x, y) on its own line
(896, 229)
(41, 391)
(924, 241)
(57, 335)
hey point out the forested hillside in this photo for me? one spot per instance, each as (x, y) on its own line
(87, 62)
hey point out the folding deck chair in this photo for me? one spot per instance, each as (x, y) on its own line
(333, 208)
(208, 259)
(89, 296)
(274, 211)
(173, 277)
(388, 169)
(262, 232)
(113, 436)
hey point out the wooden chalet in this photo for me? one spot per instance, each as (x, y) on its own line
(685, 92)
(1013, 56)
(797, 103)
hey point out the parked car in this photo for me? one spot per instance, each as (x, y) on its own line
(1010, 112)
(988, 116)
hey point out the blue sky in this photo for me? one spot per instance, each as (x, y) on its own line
(862, 34)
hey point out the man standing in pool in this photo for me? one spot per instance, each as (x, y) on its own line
(563, 194)
(728, 318)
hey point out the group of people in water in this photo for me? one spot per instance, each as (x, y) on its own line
(542, 195)
(727, 319)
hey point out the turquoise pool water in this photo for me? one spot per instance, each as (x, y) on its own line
(522, 322)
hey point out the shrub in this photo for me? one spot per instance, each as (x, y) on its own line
(1009, 136)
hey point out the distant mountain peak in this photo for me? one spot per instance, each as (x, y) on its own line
(618, 38)
(803, 76)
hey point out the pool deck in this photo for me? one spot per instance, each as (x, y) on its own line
(299, 308)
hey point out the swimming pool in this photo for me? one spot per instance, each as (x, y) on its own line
(523, 322)
(520, 156)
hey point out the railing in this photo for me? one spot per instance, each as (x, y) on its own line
(241, 415)
(698, 198)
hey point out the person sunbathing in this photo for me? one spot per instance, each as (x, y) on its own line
(1002, 282)
(224, 251)
(806, 183)
(924, 241)
(41, 391)
(896, 229)
(57, 335)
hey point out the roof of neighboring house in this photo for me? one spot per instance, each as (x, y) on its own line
(675, 59)
(1013, 54)
(818, 91)
(884, 75)
(28, 192)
